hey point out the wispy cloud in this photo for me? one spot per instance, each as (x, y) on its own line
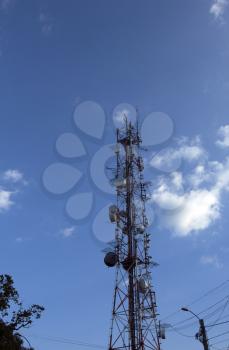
(191, 201)
(218, 8)
(186, 150)
(211, 260)
(13, 175)
(11, 182)
(6, 201)
(68, 231)
(223, 137)
(23, 239)
(46, 23)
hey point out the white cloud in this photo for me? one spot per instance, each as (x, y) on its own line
(177, 180)
(5, 200)
(223, 134)
(168, 191)
(192, 201)
(218, 8)
(185, 150)
(166, 199)
(198, 209)
(211, 260)
(190, 149)
(68, 231)
(13, 175)
(10, 182)
(198, 176)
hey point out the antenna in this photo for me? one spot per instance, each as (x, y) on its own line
(134, 323)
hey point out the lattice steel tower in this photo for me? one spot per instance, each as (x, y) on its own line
(134, 315)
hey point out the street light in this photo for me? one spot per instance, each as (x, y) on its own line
(187, 310)
(202, 335)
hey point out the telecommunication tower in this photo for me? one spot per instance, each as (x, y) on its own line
(134, 323)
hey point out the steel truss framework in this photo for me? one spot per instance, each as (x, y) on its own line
(134, 323)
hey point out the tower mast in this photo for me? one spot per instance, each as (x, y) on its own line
(134, 325)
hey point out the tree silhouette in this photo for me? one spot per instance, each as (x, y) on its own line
(13, 317)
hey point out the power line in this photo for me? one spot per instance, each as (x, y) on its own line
(68, 341)
(182, 334)
(220, 316)
(225, 316)
(203, 311)
(221, 341)
(206, 317)
(219, 335)
(214, 312)
(217, 324)
(198, 299)
(178, 329)
(214, 347)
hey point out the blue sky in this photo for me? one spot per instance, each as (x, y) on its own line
(167, 56)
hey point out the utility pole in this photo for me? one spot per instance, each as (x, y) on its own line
(202, 334)
(134, 323)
